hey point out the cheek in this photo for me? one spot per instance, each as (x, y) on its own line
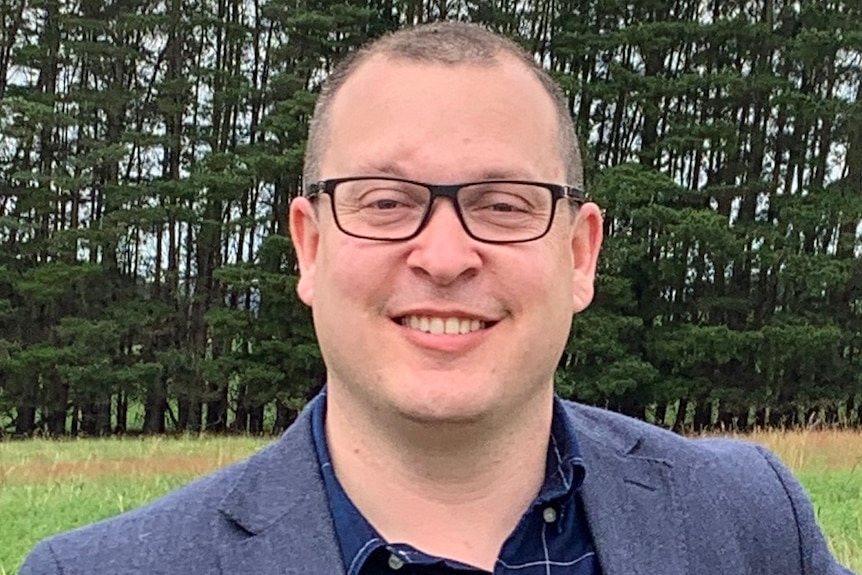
(548, 287)
(544, 321)
(354, 271)
(548, 273)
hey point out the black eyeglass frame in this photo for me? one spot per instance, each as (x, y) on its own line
(558, 192)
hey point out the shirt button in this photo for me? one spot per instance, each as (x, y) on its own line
(549, 514)
(395, 562)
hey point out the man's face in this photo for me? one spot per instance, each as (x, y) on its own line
(443, 124)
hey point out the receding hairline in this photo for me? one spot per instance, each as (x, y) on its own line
(446, 44)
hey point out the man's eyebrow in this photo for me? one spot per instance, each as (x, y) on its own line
(395, 170)
(505, 174)
(387, 169)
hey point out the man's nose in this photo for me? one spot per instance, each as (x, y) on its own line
(443, 250)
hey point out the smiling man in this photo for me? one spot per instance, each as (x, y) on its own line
(444, 244)
(442, 311)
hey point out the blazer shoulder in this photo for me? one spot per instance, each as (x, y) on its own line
(724, 477)
(164, 532)
(179, 532)
(726, 487)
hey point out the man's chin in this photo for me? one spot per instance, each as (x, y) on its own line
(448, 418)
(445, 412)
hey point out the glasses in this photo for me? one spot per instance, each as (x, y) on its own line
(393, 209)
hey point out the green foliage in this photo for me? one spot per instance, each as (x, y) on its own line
(149, 159)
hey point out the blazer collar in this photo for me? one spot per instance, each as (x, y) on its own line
(629, 499)
(279, 501)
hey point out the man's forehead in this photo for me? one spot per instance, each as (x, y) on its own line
(380, 65)
(392, 107)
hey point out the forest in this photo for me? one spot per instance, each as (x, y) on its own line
(149, 150)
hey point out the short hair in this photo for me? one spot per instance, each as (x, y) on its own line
(447, 43)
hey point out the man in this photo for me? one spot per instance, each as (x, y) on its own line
(444, 244)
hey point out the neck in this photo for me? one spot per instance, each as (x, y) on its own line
(469, 482)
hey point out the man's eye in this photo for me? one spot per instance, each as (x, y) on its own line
(386, 200)
(503, 207)
(505, 203)
(387, 204)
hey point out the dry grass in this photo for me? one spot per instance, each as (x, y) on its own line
(813, 449)
(131, 466)
(42, 460)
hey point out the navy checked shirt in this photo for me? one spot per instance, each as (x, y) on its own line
(552, 537)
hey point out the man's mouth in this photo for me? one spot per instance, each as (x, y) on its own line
(442, 325)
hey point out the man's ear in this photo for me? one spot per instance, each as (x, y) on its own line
(586, 242)
(305, 234)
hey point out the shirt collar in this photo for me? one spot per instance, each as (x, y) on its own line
(565, 470)
(564, 474)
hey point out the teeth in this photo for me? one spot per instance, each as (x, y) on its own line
(453, 325)
(439, 325)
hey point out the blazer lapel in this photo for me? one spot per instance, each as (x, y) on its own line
(280, 504)
(630, 505)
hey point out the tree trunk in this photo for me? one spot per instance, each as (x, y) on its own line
(57, 408)
(852, 419)
(95, 419)
(702, 415)
(216, 417)
(89, 422)
(760, 420)
(255, 420)
(284, 416)
(242, 412)
(660, 413)
(777, 417)
(681, 413)
(155, 406)
(25, 421)
(182, 414)
(195, 416)
(188, 415)
(122, 413)
(726, 419)
(56, 422)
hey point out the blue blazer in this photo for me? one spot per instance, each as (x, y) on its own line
(655, 502)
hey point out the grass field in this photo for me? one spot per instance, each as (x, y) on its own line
(46, 487)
